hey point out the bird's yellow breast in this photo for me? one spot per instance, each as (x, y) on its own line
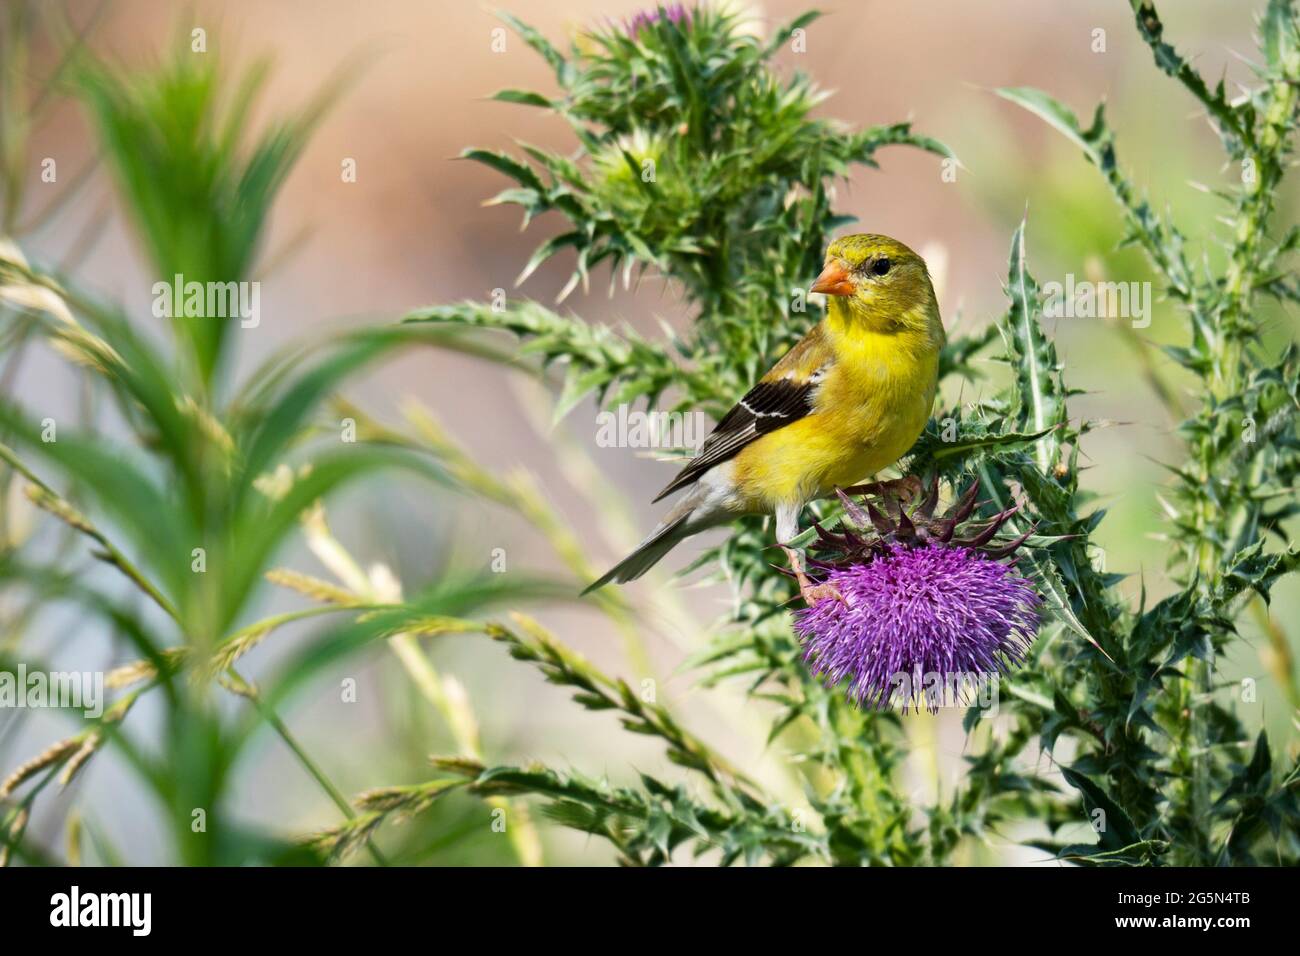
(868, 411)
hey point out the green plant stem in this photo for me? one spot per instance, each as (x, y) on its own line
(63, 509)
(523, 836)
(244, 688)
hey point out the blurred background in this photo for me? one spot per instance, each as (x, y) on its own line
(411, 231)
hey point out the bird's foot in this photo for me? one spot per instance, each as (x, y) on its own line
(813, 593)
(905, 490)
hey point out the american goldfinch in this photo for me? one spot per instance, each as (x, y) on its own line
(845, 402)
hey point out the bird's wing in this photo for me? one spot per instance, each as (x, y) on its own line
(784, 395)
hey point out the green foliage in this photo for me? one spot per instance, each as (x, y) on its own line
(188, 496)
(1163, 731)
(697, 160)
(199, 191)
(620, 368)
(734, 212)
(194, 498)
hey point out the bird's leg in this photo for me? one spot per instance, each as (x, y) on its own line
(787, 529)
(811, 593)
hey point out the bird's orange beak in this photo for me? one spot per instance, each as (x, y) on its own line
(834, 280)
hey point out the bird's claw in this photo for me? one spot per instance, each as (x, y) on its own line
(813, 593)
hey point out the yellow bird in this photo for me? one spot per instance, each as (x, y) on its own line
(845, 402)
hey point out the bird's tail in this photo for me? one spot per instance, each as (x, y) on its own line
(648, 553)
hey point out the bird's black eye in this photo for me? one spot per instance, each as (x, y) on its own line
(880, 266)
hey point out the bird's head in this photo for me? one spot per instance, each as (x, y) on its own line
(880, 281)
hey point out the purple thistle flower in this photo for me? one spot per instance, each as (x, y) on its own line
(676, 13)
(911, 613)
